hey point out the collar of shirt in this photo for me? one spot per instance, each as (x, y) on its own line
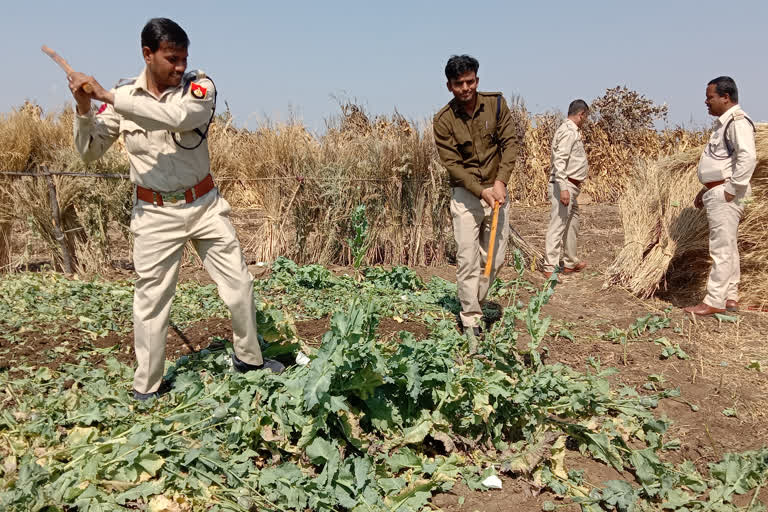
(572, 125)
(458, 109)
(728, 113)
(141, 83)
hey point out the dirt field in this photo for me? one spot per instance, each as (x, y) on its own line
(716, 377)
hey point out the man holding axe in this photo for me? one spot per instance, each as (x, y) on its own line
(164, 115)
(478, 145)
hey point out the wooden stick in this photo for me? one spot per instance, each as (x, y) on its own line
(492, 241)
(66, 257)
(63, 64)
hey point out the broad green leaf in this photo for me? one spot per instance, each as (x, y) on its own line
(322, 451)
(151, 463)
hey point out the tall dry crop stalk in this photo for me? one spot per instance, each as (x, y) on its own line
(306, 188)
(619, 132)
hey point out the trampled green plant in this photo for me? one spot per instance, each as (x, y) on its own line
(50, 302)
(369, 424)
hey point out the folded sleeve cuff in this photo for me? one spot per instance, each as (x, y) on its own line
(476, 188)
(504, 176)
(83, 120)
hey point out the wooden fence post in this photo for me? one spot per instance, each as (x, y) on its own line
(5, 232)
(5, 246)
(57, 231)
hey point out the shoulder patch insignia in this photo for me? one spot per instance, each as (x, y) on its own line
(102, 108)
(197, 90)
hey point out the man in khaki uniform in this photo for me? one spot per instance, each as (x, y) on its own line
(478, 146)
(164, 115)
(725, 168)
(568, 172)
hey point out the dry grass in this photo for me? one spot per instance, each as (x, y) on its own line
(304, 186)
(666, 238)
(29, 141)
(725, 351)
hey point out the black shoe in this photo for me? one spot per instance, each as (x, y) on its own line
(268, 364)
(165, 387)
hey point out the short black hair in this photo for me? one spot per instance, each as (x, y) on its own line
(725, 85)
(158, 30)
(577, 106)
(460, 64)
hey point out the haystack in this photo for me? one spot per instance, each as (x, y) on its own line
(666, 238)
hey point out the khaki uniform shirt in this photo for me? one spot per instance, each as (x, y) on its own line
(736, 169)
(476, 150)
(569, 160)
(146, 123)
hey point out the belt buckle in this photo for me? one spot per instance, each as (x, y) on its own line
(174, 197)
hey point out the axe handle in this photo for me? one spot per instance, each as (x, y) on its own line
(63, 64)
(492, 241)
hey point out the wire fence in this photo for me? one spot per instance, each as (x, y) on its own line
(44, 172)
(59, 233)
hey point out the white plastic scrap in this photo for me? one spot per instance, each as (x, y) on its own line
(302, 359)
(492, 482)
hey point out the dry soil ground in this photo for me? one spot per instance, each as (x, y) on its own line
(715, 378)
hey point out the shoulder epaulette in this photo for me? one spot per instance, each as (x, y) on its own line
(442, 111)
(489, 93)
(125, 81)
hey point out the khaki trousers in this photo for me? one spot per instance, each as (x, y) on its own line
(563, 231)
(160, 233)
(472, 219)
(723, 218)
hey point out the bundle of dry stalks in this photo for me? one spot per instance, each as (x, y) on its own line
(666, 237)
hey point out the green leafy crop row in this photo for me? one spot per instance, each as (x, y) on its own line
(369, 424)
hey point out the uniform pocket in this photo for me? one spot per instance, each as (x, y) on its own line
(714, 195)
(714, 143)
(135, 137)
(188, 140)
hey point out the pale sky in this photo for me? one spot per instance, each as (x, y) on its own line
(277, 60)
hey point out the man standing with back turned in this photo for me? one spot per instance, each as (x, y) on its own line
(725, 168)
(164, 115)
(569, 170)
(478, 146)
